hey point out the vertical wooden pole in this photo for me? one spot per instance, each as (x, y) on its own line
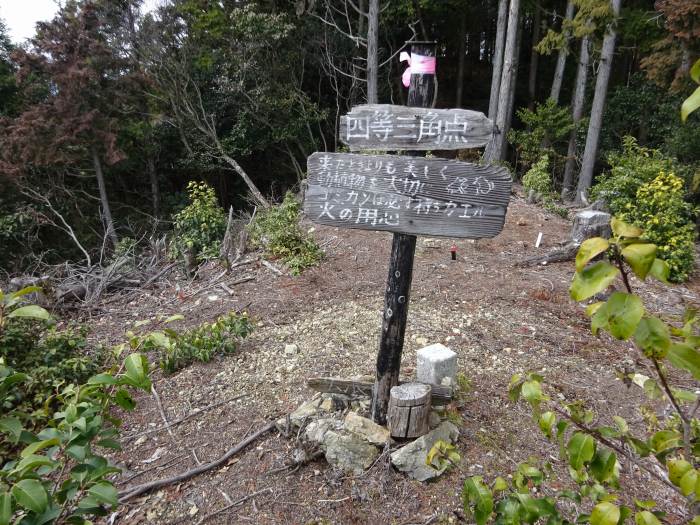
(420, 94)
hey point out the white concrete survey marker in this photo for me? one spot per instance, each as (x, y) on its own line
(435, 363)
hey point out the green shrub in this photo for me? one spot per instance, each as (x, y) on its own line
(629, 169)
(201, 225)
(667, 221)
(593, 448)
(278, 233)
(548, 129)
(177, 350)
(538, 178)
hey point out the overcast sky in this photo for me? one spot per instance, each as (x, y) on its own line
(20, 16)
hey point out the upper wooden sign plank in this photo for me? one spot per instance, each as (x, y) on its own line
(387, 127)
(412, 195)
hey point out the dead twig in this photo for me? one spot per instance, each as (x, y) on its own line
(132, 492)
(197, 412)
(237, 502)
(162, 413)
(271, 267)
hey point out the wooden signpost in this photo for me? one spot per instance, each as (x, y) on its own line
(407, 195)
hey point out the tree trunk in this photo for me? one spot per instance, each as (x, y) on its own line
(104, 201)
(577, 111)
(362, 6)
(498, 58)
(513, 83)
(495, 149)
(534, 57)
(257, 196)
(561, 58)
(460, 59)
(601, 89)
(153, 178)
(372, 50)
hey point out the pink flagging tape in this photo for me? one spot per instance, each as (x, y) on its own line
(417, 65)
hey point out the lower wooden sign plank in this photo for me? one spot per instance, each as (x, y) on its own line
(412, 195)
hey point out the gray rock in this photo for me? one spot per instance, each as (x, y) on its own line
(316, 430)
(349, 452)
(411, 458)
(304, 411)
(367, 429)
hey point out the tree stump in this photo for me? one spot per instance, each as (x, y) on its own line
(590, 223)
(409, 410)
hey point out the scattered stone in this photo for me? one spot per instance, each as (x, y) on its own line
(366, 428)
(411, 458)
(291, 349)
(434, 363)
(349, 452)
(435, 419)
(316, 430)
(304, 411)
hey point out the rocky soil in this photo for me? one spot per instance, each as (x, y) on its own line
(499, 318)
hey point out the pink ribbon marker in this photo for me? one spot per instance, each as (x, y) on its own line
(417, 65)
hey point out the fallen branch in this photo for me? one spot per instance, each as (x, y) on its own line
(183, 418)
(565, 253)
(132, 492)
(162, 413)
(271, 267)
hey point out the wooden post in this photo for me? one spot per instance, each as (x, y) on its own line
(409, 410)
(420, 94)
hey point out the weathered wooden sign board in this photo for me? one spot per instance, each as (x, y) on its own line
(412, 195)
(388, 127)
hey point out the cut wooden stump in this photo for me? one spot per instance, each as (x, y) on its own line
(409, 410)
(440, 395)
(590, 223)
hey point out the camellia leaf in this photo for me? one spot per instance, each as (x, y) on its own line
(12, 426)
(124, 399)
(581, 449)
(665, 440)
(690, 104)
(622, 229)
(137, 370)
(605, 513)
(476, 493)
(676, 469)
(532, 391)
(688, 482)
(603, 465)
(646, 518)
(104, 492)
(31, 311)
(589, 249)
(624, 313)
(592, 280)
(546, 422)
(31, 494)
(653, 337)
(640, 257)
(5, 508)
(685, 357)
(660, 270)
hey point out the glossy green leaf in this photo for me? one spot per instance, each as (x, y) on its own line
(690, 104)
(592, 280)
(622, 229)
(653, 337)
(104, 492)
(532, 391)
(546, 422)
(640, 257)
(500, 484)
(665, 440)
(621, 424)
(589, 249)
(31, 311)
(685, 357)
(176, 317)
(5, 508)
(605, 513)
(580, 449)
(660, 270)
(39, 445)
(646, 518)
(476, 493)
(31, 494)
(137, 370)
(103, 379)
(688, 482)
(603, 465)
(624, 312)
(34, 461)
(12, 426)
(676, 469)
